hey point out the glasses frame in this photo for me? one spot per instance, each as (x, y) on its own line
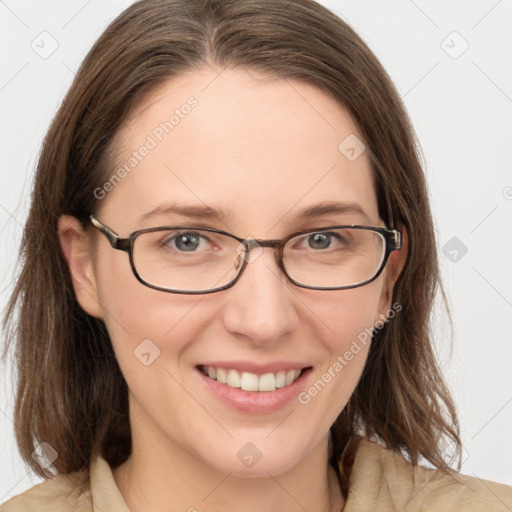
(392, 238)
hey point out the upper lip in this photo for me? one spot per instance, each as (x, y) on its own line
(258, 369)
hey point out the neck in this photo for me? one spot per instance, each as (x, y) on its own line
(162, 476)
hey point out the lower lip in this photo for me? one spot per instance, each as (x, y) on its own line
(255, 402)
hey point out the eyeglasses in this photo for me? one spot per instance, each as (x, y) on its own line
(198, 260)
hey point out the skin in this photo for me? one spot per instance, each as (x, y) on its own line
(261, 150)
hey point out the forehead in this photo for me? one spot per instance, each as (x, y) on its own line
(259, 149)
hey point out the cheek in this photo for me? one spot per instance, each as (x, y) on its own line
(345, 314)
(345, 319)
(142, 321)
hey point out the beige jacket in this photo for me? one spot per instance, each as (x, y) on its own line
(380, 481)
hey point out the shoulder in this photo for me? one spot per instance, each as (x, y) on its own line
(62, 493)
(83, 491)
(384, 480)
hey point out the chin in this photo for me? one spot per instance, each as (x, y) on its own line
(256, 459)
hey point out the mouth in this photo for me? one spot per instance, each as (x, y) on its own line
(253, 382)
(264, 390)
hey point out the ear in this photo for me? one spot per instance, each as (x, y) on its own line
(394, 267)
(77, 246)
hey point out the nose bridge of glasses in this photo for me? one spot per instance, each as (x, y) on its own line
(252, 243)
(254, 247)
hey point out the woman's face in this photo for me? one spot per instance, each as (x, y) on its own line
(259, 152)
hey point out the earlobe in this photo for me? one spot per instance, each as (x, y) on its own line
(76, 247)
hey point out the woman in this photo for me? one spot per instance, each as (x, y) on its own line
(228, 272)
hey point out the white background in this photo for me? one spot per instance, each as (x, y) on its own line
(462, 111)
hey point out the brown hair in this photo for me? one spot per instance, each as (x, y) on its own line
(71, 393)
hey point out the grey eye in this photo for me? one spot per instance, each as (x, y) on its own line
(319, 240)
(187, 241)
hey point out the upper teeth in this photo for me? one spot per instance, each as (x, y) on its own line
(250, 381)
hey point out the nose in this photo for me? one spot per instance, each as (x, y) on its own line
(260, 307)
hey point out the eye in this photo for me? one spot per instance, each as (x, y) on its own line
(319, 240)
(323, 240)
(186, 242)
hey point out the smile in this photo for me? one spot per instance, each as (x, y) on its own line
(248, 381)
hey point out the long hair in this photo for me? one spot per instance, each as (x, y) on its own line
(70, 390)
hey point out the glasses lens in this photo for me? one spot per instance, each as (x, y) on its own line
(334, 258)
(195, 260)
(186, 259)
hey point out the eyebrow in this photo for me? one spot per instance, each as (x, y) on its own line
(193, 212)
(330, 208)
(204, 212)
